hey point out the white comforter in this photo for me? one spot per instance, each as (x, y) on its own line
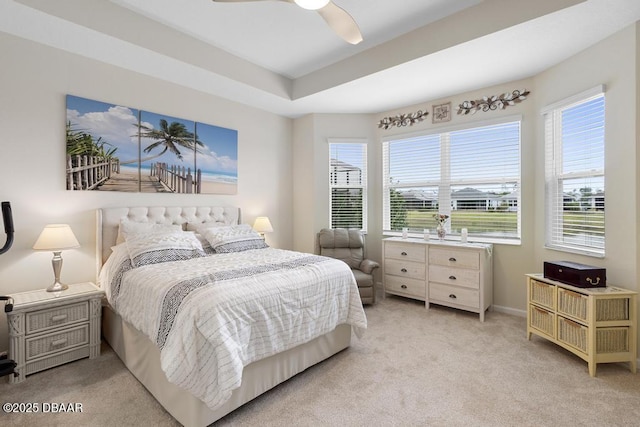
(212, 316)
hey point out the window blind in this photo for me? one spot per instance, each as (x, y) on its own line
(347, 182)
(575, 176)
(470, 174)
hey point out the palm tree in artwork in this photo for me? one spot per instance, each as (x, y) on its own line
(171, 137)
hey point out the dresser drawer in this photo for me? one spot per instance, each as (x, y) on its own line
(405, 251)
(453, 295)
(412, 270)
(55, 317)
(55, 342)
(454, 258)
(454, 276)
(402, 285)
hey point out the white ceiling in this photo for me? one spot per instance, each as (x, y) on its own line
(281, 58)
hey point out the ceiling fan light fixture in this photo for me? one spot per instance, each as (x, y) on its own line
(312, 4)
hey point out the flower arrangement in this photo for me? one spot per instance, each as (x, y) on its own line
(441, 218)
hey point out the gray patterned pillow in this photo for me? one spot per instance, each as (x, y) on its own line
(235, 238)
(154, 248)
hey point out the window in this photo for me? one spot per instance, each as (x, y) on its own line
(470, 174)
(348, 184)
(574, 173)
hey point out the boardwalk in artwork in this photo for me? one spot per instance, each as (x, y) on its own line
(129, 182)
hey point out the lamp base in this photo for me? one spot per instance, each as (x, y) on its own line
(57, 287)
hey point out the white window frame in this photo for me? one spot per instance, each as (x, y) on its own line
(445, 183)
(363, 143)
(554, 176)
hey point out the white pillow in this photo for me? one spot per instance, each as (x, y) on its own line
(235, 238)
(129, 227)
(154, 248)
(198, 226)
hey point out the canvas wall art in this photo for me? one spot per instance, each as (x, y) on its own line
(116, 148)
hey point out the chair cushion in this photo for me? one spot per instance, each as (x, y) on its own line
(342, 244)
(364, 280)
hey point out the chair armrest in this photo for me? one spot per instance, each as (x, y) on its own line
(367, 266)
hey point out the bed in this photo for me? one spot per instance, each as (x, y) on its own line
(168, 367)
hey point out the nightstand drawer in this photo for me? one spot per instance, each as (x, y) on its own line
(454, 276)
(55, 317)
(56, 342)
(454, 258)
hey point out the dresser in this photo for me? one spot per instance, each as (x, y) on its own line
(47, 329)
(596, 324)
(458, 275)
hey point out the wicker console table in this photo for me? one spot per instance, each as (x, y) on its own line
(596, 324)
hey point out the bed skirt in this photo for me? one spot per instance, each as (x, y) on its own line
(142, 358)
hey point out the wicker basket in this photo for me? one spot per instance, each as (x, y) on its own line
(573, 334)
(543, 294)
(541, 320)
(612, 340)
(572, 304)
(612, 309)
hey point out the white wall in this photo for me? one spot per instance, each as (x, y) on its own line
(34, 80)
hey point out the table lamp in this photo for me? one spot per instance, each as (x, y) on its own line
(262, 225)
(56, 238)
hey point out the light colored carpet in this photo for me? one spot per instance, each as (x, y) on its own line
(441, 367)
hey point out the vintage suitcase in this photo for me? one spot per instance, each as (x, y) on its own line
(572, 273)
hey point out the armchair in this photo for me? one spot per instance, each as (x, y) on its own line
(349, 246)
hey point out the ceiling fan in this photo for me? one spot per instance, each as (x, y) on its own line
(338, 19)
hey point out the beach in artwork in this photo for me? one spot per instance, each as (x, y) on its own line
(127, 180)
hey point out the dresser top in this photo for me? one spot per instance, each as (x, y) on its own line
(41, 296)
(587, 291)
(437, 242)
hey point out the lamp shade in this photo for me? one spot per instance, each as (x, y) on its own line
(262, 225)
(56, 237)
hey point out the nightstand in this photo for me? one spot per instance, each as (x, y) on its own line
(48, 329)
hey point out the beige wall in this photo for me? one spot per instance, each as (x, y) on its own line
(283, 163)
(510, 262)
(34, 80)
(612, 62)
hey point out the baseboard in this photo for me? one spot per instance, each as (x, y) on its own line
(509, 310)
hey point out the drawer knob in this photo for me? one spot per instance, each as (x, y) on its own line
(452, 277)
(404, 270)
(58, 343)
(403, 286)
(59, 318)
(403, 253)
(452, 296)
(452, 259)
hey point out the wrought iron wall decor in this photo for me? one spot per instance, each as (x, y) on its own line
(493, 103)
(401, 120)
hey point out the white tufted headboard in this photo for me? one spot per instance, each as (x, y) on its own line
(108, 221)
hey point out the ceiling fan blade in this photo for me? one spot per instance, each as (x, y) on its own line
(244, 1)
(341, 22)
